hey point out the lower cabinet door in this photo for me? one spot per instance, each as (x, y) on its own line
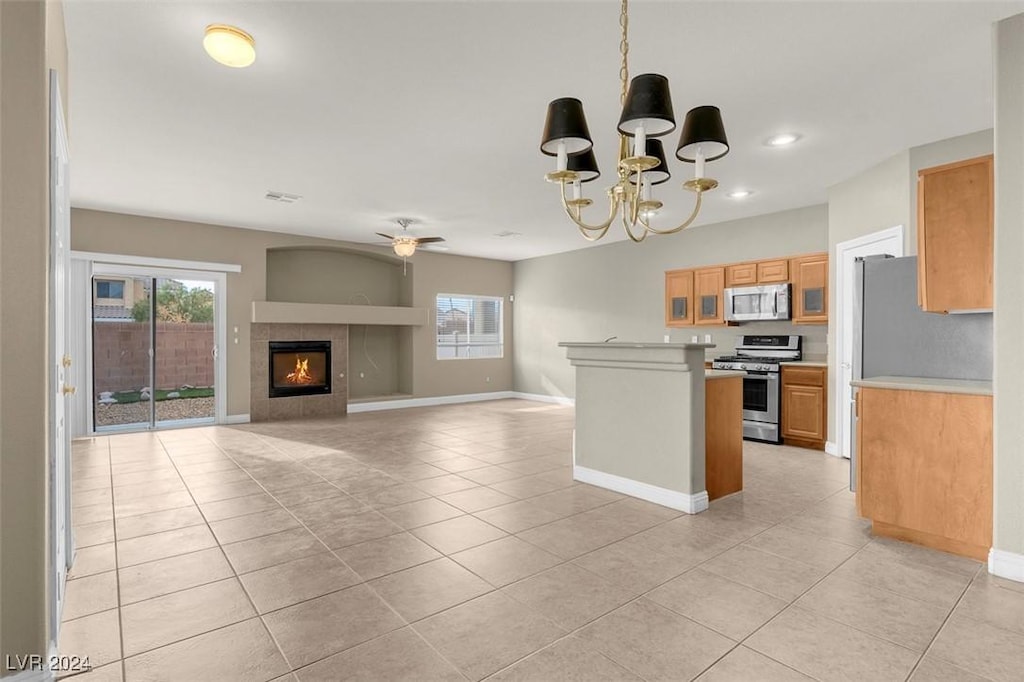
(803, 415)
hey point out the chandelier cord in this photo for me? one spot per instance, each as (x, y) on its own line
(624, 50)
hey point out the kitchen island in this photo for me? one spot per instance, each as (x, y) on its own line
(640, 420)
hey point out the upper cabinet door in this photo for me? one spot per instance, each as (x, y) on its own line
(771, 271)
(741, 274)
(955, 231)
(679, 298)
(810, 289)
(708, 286)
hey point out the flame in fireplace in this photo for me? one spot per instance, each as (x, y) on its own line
(301, 374)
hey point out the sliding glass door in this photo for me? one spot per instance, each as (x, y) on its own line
(154, 351)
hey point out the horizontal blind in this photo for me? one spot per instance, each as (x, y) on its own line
(469, 326)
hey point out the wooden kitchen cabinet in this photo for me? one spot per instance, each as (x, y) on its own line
(757, 272)
(741, 275)
(708, 288)
(723, 436)
(955, 232)
(924, 467)
(804, 406)
(809, 275)
(679, 298)
(772, 271)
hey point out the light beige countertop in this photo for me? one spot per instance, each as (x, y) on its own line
(926, 384)
(806, 363)
(722, 374)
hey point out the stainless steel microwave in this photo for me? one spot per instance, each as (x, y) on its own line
(765, 302)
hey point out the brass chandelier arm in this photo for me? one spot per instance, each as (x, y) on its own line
(628, 227)
(679, 228)
(602, 228)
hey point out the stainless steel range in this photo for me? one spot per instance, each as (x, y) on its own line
(760, 358)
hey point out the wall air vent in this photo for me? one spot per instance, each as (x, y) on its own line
(282, 197)
(508, 233)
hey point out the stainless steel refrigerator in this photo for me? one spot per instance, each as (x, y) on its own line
(893, 337)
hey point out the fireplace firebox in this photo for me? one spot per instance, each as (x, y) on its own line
(300, 368)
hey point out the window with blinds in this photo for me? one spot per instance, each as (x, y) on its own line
(469, 327)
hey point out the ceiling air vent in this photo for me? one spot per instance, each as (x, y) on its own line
(508, 233)
(282, 197)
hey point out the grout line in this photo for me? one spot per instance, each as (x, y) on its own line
(945, 620)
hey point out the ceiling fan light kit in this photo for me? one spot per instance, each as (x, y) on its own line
(646, 113)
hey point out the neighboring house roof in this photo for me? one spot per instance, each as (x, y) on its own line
(111, 313)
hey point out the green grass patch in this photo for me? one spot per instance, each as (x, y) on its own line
(125, 397)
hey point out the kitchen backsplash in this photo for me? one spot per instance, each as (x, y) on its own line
(815, 344)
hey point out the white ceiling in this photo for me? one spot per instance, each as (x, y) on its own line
(434, 110)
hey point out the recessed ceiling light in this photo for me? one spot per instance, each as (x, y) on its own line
(782, 139)
(229, 45)
(739, 194)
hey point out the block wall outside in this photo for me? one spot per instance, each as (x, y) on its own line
(184, 355)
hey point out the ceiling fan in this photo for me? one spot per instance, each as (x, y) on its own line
(404, 243)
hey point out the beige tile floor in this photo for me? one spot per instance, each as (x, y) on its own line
(451, 543)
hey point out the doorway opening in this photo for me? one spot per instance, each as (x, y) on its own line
(889, 241)
(155, 342)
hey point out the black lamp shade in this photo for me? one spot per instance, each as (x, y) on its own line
(702, 128)
(585, 164)
(659, 173)
(566, 123)
(648, 103)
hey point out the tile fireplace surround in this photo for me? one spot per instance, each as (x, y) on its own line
(263, 408)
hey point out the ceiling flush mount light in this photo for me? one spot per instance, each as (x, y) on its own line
(646, 114)
(739, 194)
(229, 45)
(782, 139)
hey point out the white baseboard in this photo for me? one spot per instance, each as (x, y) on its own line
(236, 419)
(831, 449)
(542, 398)
(1005, 564)
(673, 499)
(403, 403)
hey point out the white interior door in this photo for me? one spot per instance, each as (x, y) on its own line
(62, 552)
(890, 242)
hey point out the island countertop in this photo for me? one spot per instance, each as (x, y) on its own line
(722, 374)
(635, 344)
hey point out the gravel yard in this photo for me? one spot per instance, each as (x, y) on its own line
(134, 413)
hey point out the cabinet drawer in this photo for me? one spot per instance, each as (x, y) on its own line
(769, 271)
(803, 376)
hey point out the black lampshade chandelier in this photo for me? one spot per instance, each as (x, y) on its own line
(646, 115)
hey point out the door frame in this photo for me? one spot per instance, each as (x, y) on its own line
(891, 241)
(61, 541)
(219, 278)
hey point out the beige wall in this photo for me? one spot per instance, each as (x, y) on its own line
(619, 290)
(428, 274)
(31, 41)
(1009, 286)
(377, 365)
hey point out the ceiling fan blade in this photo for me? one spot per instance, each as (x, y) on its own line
(381, 234)
(428, 240)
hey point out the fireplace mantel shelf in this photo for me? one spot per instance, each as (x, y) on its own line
(324, 313)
